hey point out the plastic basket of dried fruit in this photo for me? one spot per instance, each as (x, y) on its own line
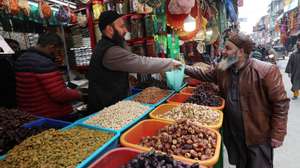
(150, 127)
(124, 128)
(51, 123)
(109, 145)
(117, 158)
(192, 82)
(168, 107)
(188, 90)
(171, 92)
(182, 98)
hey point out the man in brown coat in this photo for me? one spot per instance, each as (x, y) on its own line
(256, 108)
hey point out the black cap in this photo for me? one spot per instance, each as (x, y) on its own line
(107, 18)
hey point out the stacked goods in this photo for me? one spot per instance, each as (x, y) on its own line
(11, 132)
(184, 139)
(151, 95)
(117, 116)
(152, 83)
(197, 114)
(54, 148)
(206, 94)
(156, 160)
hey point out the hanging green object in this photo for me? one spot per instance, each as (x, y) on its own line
(175, 78)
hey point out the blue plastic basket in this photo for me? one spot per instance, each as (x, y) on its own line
(111, 144)
(126, 127)
(50, 122)
(2, 157)
(156, 104)
(134, 91)
(183, 86)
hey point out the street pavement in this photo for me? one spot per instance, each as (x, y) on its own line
(286, 156)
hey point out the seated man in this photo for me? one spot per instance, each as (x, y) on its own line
(40, 87)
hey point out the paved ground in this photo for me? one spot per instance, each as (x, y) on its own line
(286, 156)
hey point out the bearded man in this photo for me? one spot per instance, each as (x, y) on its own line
(112, 62)
(255, 114)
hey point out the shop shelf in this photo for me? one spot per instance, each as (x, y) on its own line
(171, 92)
(182, 98)
(192, 82)
(133, 122)
(133, 137)
(117, 158)
(168, 107)
(188, 90)
(109, 145)
(178, 98)
(52, 123)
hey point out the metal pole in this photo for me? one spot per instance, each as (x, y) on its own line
(66, 53)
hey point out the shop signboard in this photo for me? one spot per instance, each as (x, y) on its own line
(290, 5)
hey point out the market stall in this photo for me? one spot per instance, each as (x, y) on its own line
(186, 114)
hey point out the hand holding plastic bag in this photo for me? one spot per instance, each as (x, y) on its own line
(175, 77)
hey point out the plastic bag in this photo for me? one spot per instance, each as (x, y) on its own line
(230, 9)
(14, 7)
(181, 6)
(175, 78)
(45, 10)
(24, 5)
(63, 15)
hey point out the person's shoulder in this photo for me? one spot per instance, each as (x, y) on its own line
(262, 67)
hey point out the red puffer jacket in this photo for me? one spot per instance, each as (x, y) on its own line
(40, 86)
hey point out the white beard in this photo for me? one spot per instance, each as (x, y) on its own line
(227, 62)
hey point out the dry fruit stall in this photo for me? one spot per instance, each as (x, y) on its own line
(185, 123)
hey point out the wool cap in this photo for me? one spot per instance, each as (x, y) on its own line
(107, 18)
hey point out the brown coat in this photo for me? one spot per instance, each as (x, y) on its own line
(263, 100)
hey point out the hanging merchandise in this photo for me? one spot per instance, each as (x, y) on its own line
(177, 7)
(14, 8)
(231, 11)
(122, 7)
(176, 21)
(73, 19)
(98, 8)
(154, 3)
(63, 15)
(162, 9)
(24, 6)
(173, 46)
(82, 20)
(136, 27)
(149, 25)
(109, 5)
(161, 45)
(160, 23)
(45, 10)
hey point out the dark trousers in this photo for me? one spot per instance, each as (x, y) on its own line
(254, 156)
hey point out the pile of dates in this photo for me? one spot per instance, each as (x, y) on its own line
(156, 160)
(205, 99)
(56, 148)
(151, 95)
(184, 139)
(152, 83)
(208, 88)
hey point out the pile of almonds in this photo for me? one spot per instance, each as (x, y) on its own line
(197, 114)
(118, 115)
(184, 139)
(151, 95)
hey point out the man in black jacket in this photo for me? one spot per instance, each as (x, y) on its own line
(111, 63)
